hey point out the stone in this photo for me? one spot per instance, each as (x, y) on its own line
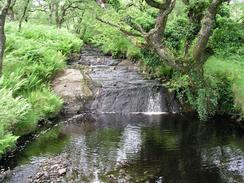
(54, 166)
(62, 171)
(45, 174)
(72, 85)
(125, 63)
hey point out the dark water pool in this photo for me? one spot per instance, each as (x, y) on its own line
(143, 148)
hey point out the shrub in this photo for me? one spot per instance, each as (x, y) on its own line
(228, 38)
(45, 102)
(12, 111)
(33, 57)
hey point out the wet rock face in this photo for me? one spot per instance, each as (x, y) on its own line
(119, 88)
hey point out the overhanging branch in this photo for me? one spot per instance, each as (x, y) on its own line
(121, 29)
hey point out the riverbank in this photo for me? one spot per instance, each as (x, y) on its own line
(33, 57)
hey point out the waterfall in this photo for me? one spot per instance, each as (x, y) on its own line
(119, 88)
(154, 102)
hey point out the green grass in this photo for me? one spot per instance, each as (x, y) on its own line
(233, 69)
(33, 57)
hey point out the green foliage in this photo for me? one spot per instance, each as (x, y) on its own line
(176, 32)
(12, 111)
(205, 100)
(115, 4)
(228, 38)
(33, 57)
(155, 66)
(6, 141)
(55, 39)
(221, 92)
(44, 102)
(108, 38)
(228, 71)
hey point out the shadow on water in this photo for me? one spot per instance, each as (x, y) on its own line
(140, 148)
(47, 143)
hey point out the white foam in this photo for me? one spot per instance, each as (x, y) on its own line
(154, 103)
(149, 113)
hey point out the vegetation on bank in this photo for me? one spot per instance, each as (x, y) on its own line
(35, 53)
(33, 57)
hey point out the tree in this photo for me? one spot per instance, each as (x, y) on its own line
(51, 10)
(27, 2)
(155, 38)
(11, 10)
(63, 8)
(195, 54)
(4, 7)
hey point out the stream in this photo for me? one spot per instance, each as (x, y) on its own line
(132, 131)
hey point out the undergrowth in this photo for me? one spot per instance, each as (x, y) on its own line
(33, 57)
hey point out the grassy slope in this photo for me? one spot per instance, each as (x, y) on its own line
(33, 57)
(233, 69)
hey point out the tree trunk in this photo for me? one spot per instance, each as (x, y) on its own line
(11, 10)
(12, 15)
(61, 17)
(3, 14)
(2, 41)
(56, 7)
(50, 13)
(24, 14)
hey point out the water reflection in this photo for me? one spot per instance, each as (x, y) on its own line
(228, 160)
(130, 144)
(158, 148)
(49, 142)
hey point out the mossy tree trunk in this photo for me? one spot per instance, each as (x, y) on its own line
(3, 14)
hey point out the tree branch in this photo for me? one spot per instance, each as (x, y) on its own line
(37, 9)
(155, 4)
(157, 33)
(136, 27)
(169, 59)
(207, 24)
(24, 13)
(121, 29)
(5, 8)
(155, 36)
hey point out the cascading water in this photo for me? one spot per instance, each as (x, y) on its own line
(154, 104)
(118, 88)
